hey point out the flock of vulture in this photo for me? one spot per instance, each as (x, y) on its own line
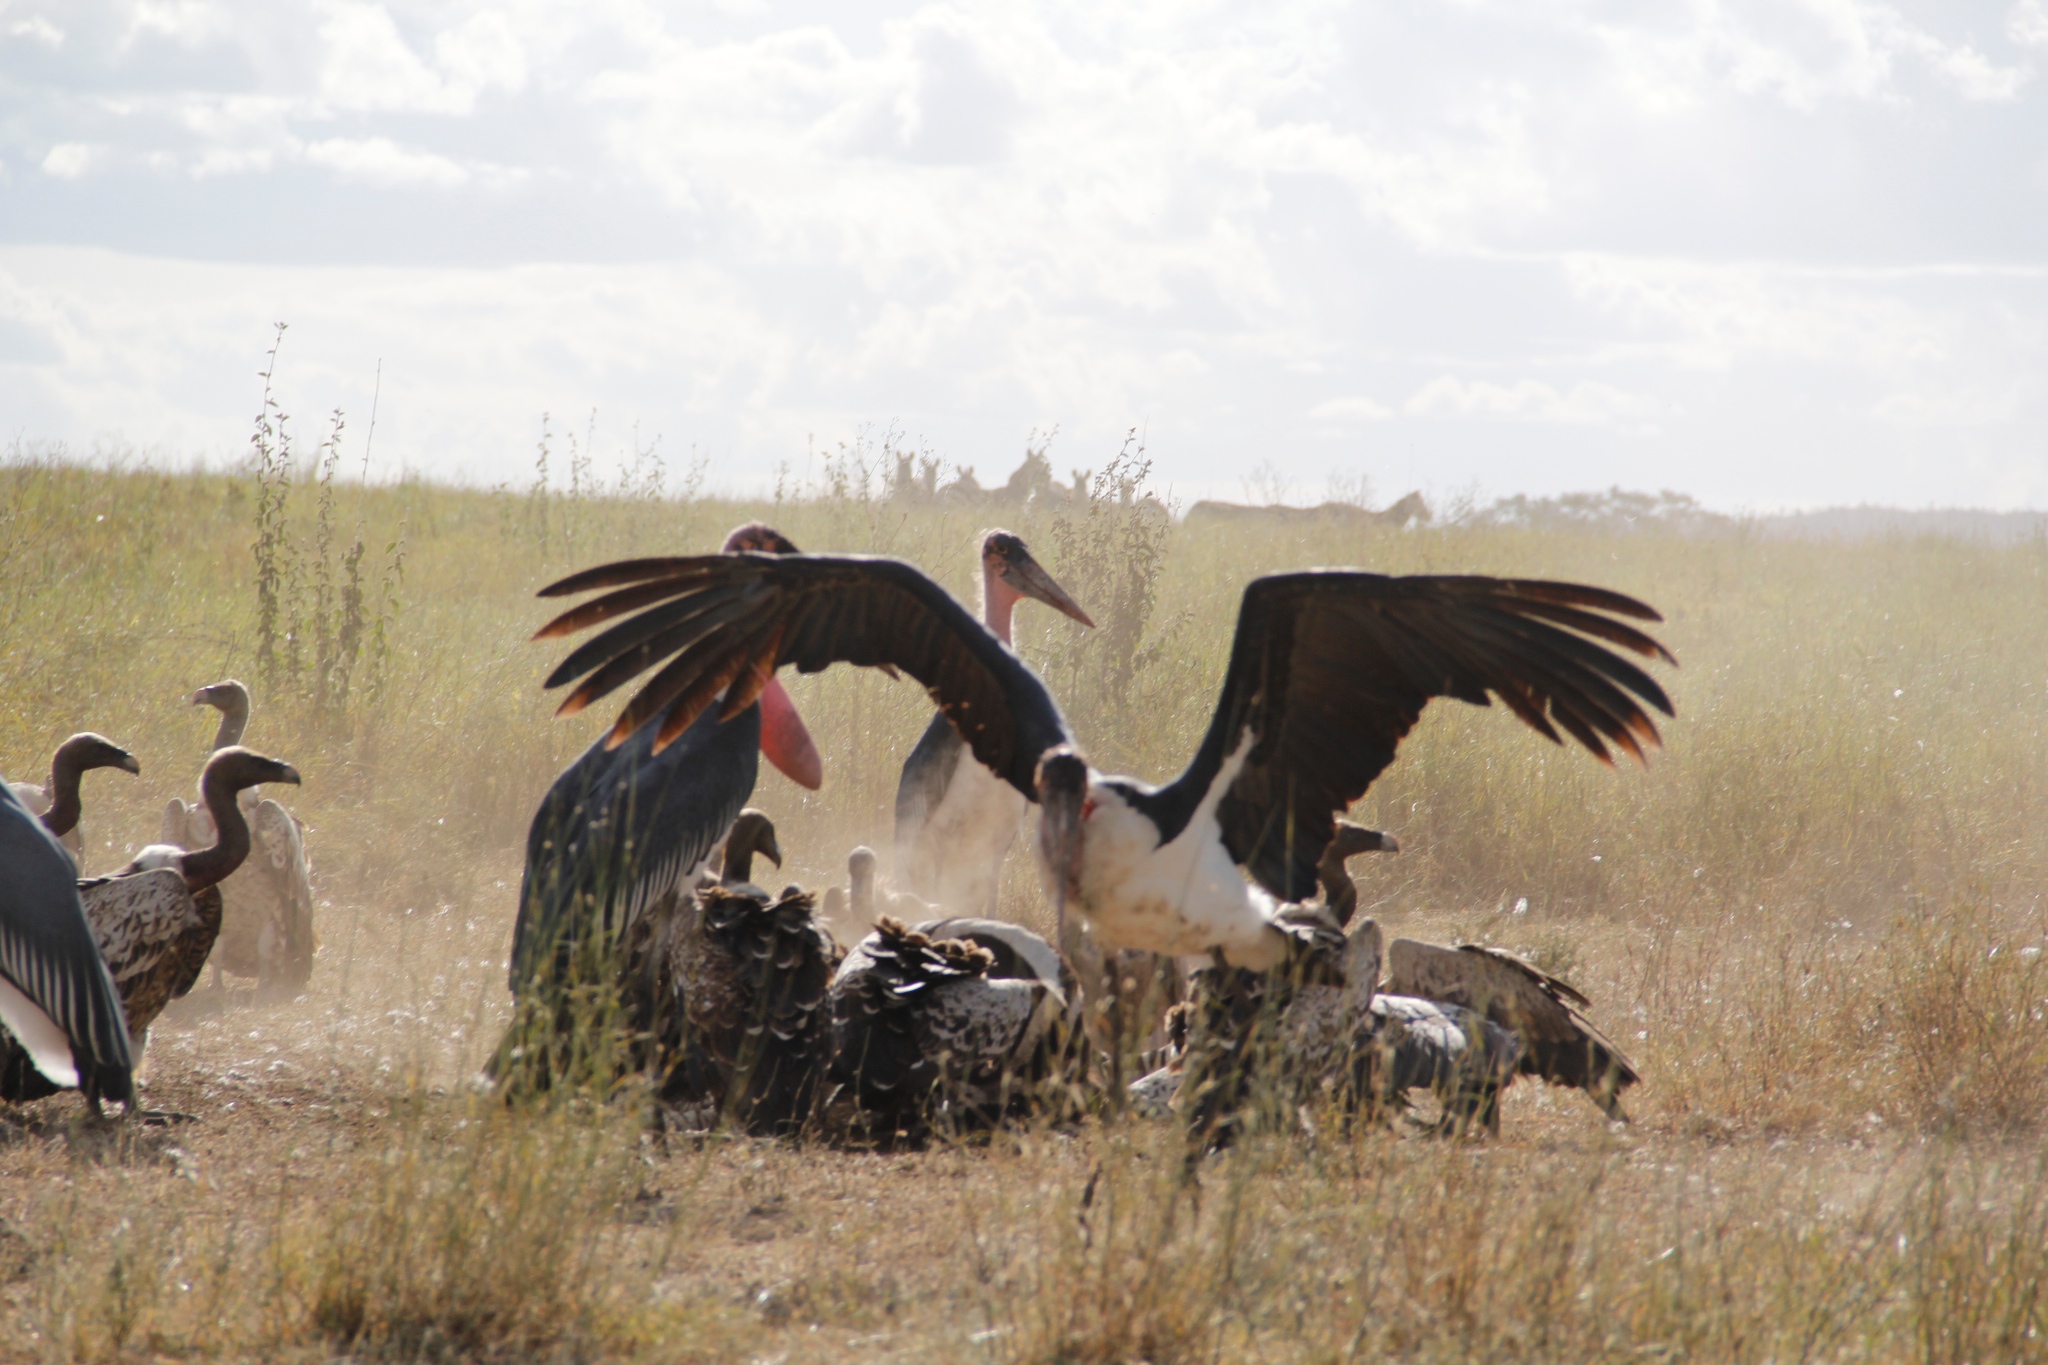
(645, 945)
(86, 965)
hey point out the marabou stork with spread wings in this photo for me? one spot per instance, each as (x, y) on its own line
(632, 823)
(1330, 668)
(57, 998)
(956, 820)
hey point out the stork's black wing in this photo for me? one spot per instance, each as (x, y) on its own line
(1331, 668)
(47, 953)
(725, 623)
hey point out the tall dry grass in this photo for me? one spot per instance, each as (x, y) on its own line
(1816, 923)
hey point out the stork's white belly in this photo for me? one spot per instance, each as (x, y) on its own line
(966, 838)
(1180, 898)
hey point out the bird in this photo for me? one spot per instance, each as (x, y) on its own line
(752, 835)
(266, 929)
(1347, 841)
(1555, 1040)
(631, 823)
(863, 899)
(157, 918)
(648, 988)
(57, 999)
(56, 800)
(748, 977)
(1329, 669)
(956, 820)
(932, 1031)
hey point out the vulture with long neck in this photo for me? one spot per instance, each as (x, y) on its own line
(956, 820)
(951, 1025)
(632, 823)
(155, 921)
(56, 801)
(64, 1024)
(1329, 670)
(266, 929)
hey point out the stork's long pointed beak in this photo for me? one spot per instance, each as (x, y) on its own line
(1029, 578)
(786, 742)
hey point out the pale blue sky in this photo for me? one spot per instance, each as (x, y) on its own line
(1783, 253)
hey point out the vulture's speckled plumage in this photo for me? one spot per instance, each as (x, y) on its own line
(1558, 1042)
(748, 981)
(925, 1032)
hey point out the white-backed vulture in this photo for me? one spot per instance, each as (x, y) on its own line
(266, 929)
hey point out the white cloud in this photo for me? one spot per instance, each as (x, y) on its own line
(1353, 409)
(380, 161)
(1529, 400)
(73, 160)
(37, 29)
(2027, 23)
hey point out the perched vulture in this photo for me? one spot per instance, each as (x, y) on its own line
(266, 927)
(157, 918)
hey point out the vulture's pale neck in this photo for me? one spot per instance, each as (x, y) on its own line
(862, 891)
(738, 865)
(61, 791)
(231, 837)
(998, 602)
(234, 718)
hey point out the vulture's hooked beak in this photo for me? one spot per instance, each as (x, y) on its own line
(127, 763)
(786, 742)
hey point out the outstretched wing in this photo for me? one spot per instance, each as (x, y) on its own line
(49, 960)
(1331, 668)
(724, 623)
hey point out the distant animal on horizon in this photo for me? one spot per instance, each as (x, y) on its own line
(1409, 511)
(266, 929)
(56, 801)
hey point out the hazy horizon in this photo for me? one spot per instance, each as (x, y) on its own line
(1773, 256)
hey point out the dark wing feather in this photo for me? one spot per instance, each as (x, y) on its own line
(722, 615)
(47, 951)
(1331, 668)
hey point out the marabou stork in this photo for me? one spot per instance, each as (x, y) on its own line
(632, 822)
(56, 801)
(956, 820)
(266, 926)
(1330, 668)
(57, 998)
